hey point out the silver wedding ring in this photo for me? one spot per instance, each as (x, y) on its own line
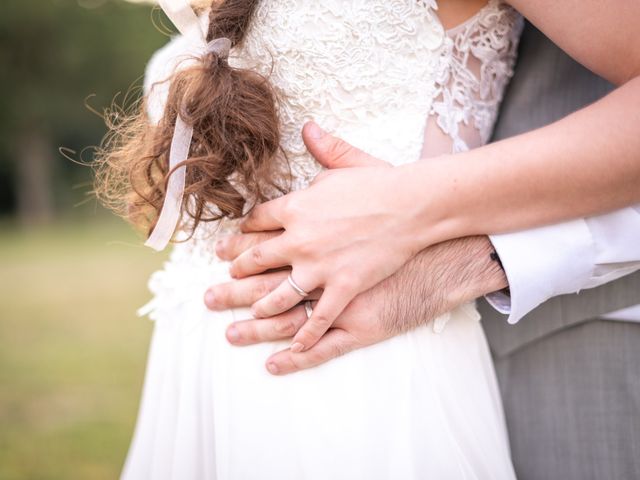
(308, 309)
(296, 287)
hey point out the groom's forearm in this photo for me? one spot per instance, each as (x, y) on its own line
(439, 279)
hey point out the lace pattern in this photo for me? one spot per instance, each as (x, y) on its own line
(345, 64)
(477, 61)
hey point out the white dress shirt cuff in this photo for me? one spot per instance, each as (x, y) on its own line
(542, 263)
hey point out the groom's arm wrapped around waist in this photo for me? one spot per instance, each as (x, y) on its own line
(545, 262)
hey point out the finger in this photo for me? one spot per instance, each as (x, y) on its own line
(264, 217)
(335, 343)
(279, 300)
(333, 152)
(228, 248)
(331, 304)
(250, 332)
(247, 291)
(260, 258)
(244, 292)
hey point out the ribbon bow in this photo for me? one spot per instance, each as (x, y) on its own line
(188, 24)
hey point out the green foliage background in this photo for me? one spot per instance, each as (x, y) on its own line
(72, 351)
(54, 55)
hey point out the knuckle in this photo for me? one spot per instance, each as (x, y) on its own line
(338, 349)
(233, 242)
(315, 357)
(335, 145)
(298, 362)
(301, 246)
(279, 301)
(257, 256)
(294, 241)
(337, 150)
(262, 289)
(305, 248)
(248, 332)
(237, 246)
(286, 328)
(321, 321)
(252, 240)
(291, 207)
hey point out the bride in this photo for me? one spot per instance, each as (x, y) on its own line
(220, 133)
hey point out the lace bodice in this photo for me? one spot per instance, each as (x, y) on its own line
(361, 69)
(382, 74)
(372, 71)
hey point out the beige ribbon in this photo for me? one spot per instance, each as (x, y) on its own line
(188, 24)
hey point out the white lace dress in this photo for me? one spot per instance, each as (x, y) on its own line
(384, 75)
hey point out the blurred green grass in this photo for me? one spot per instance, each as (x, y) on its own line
(72, 350)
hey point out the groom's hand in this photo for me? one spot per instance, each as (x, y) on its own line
(435, 281)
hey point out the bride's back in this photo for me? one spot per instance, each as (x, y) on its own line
(364, 70)
(373, 71)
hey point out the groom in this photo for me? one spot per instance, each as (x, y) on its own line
(569, 369)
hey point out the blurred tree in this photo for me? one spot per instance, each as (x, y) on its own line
(54, 54)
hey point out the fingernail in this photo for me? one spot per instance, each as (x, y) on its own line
(209, 299)
(273, 368)
(314, 131)
(297, 347)
(233, 335)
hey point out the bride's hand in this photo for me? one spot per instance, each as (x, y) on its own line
(348, 231)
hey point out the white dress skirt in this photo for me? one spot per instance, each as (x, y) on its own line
(422, 405)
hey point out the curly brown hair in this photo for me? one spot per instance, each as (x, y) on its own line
(235, 143)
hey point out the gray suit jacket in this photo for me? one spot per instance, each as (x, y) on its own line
(545, 72)
(570, 383)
